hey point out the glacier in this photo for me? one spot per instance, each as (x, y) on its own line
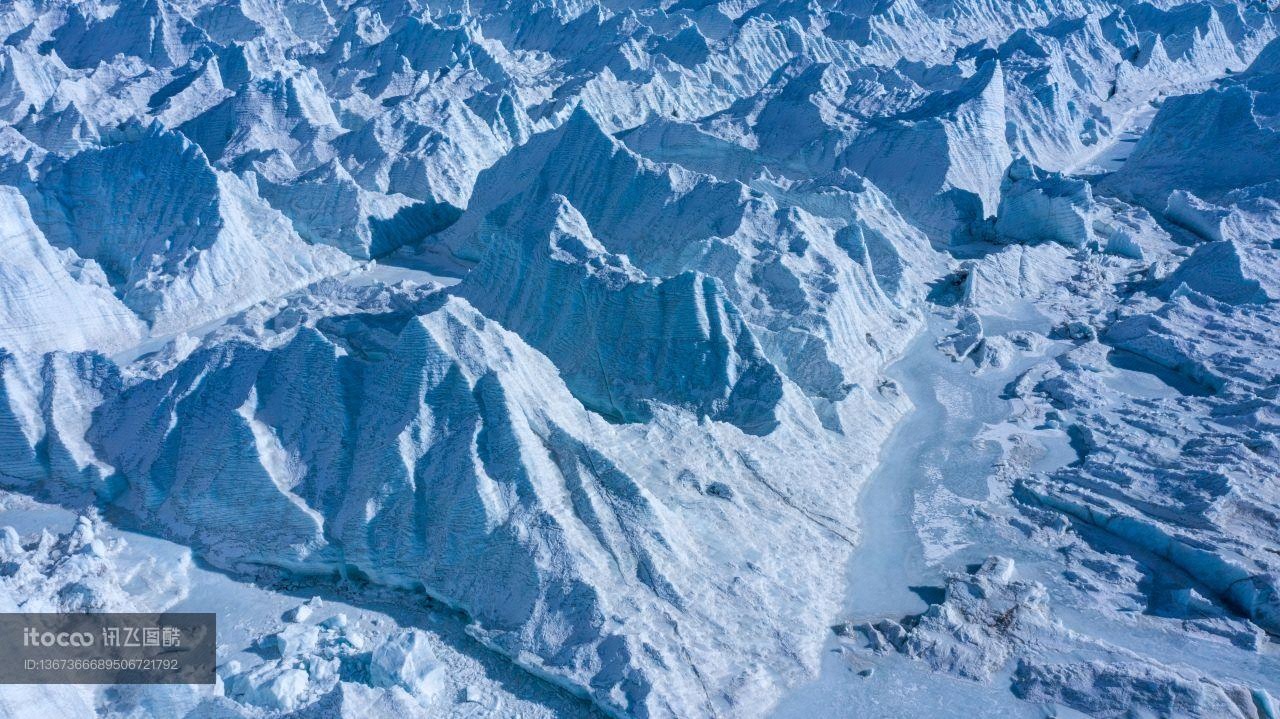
(736, 358)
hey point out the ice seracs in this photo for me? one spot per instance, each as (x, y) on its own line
(571, 321)
(622, 338)
(180, 242)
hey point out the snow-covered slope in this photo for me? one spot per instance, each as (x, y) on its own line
(587, 323)
(52, 298)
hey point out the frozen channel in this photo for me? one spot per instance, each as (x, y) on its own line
(935, 456)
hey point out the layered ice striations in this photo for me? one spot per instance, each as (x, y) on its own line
(54, 299)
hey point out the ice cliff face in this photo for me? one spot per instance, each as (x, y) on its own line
(430, 448)
(575, 318)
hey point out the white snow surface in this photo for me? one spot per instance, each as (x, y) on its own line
(649, 359)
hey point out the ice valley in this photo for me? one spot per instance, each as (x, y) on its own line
(649, 359)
